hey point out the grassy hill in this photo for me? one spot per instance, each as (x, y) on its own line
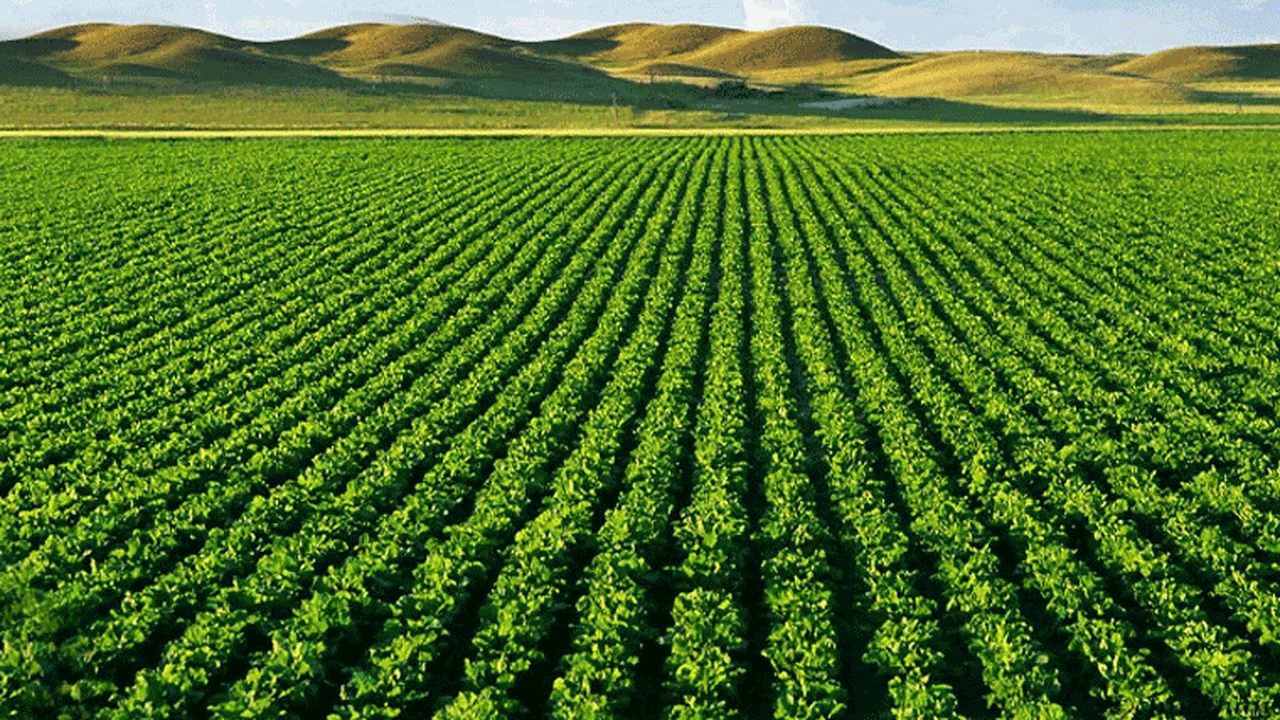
(791, 54)
(161, 52)
(156, 51)
(633, 43)
(633, 48)
(789, 47)
(332, 57)
(1198, 64)
(792, 71)
(421, 50)
(994, 74)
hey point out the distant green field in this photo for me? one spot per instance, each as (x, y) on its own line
(932, 426)
(310, 109)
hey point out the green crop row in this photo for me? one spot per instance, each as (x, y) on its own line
(829, 427)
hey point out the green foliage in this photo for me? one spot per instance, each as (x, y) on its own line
(686, 428)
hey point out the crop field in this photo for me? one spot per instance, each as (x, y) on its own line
(713, 427)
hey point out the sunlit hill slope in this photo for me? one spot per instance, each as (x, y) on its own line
(609, 58)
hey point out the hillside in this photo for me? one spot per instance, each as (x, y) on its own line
(19, 71)
(103, 42)
(988, 74)
(328, 57)
(638, 42)
(634, 47)
(166, 52)
(1198, 64)
(788, 47)
(431, 51)
(161, 52)
(352, 44)
(650, 66)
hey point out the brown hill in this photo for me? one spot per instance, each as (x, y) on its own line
(1196, 64)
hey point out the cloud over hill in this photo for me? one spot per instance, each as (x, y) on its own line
(769, 14)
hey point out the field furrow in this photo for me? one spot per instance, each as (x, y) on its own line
(582, 428)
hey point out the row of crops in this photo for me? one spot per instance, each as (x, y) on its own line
(653, 428)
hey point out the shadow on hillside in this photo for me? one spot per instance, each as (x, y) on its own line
(238, 67)
(35, 47)
(669, 70)
(539, 79)
(931, 110)
(394, 74)
(573, 47)
(127, 70)
(20, 72)
(1257, 63)
(1237, 97)
(524, 66)
(302, 47)
(679, 103)
(581, 90)
(198, 69)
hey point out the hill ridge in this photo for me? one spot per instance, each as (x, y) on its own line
(597, 62)
(102, 49)
(1209, 62)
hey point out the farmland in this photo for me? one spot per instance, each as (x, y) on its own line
(699, 427)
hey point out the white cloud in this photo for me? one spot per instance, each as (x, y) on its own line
(767, 14)
(867, 28)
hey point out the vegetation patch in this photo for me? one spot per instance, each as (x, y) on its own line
(771, 426)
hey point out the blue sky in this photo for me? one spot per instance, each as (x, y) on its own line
(1086, 26)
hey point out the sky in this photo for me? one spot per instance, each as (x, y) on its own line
(1063, 26)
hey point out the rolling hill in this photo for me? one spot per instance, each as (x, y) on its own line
(161, 52)
(1198, 64)
(735, 52)
(329, 57)
(789, 47)
(431, 51)
(994, 74)
(175, 53)
(595, 63)
(634, 43)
